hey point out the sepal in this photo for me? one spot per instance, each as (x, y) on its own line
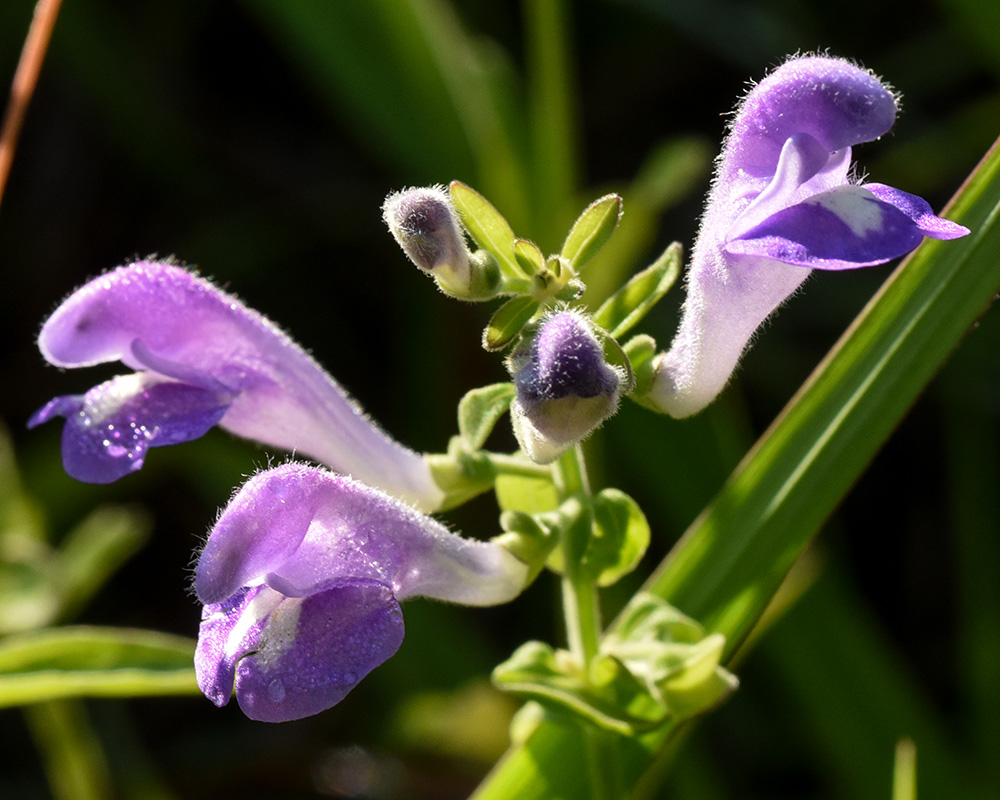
(508, 321)
(591, 230)
(480, 409)
(627, 306)
(531, 539)
(460, 474)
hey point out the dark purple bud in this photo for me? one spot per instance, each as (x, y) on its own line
(565, 387)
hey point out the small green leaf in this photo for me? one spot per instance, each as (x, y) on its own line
(83, 661)
(640, 351)
(671, 655)
(507, 322)
(620, 537)
(592, 229)
(609, 697)
(529, 257)
(479, 410)
(485, 225)
(528, 539)
(530, 495)
(626, 307)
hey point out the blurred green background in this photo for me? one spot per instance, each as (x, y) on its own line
(257, 139)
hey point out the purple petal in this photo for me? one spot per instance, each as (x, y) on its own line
(804, 168)
(229, 631)
(565, 359)
(258, 531)
(157, 316)
(109, 429)
(297, 528)
(312, 652)
(842, 228)
(830, 99)
(918, 210)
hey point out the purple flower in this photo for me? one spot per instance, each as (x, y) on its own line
(302, 578)
(565, 388)
(202, 358)
(784, 203)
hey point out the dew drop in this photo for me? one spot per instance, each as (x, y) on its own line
(276, 691)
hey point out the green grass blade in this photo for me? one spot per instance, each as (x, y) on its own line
(730, 562)
(82, 661)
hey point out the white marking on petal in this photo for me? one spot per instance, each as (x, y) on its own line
(857, 208)
(279, 633)
(265, 602)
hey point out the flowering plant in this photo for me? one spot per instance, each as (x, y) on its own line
(302, 576)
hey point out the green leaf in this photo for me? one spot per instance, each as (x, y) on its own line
(530, 495)
(508, 321)
(609, 697)
(486, 226)
(529, 257)
(479, 410)
(626, 307)
(83, 661)
(620, 537)
(592, 229)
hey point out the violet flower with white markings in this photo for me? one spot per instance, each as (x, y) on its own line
(782, 204)
(565, 388)
(202, 358)
(301, 580)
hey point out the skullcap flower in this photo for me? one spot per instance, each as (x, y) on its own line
(301, 580)
(202, 358)
(783, 203)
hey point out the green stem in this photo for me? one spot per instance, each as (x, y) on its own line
(504, 464)
(583, 625)
(582, 614)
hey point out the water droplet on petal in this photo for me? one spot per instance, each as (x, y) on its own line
(276, 691)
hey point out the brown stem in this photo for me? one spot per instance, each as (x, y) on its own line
(25, 80)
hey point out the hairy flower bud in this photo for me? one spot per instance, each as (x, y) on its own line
(425, 224)
(565, 388)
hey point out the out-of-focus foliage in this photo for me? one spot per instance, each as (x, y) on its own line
(257, 139)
